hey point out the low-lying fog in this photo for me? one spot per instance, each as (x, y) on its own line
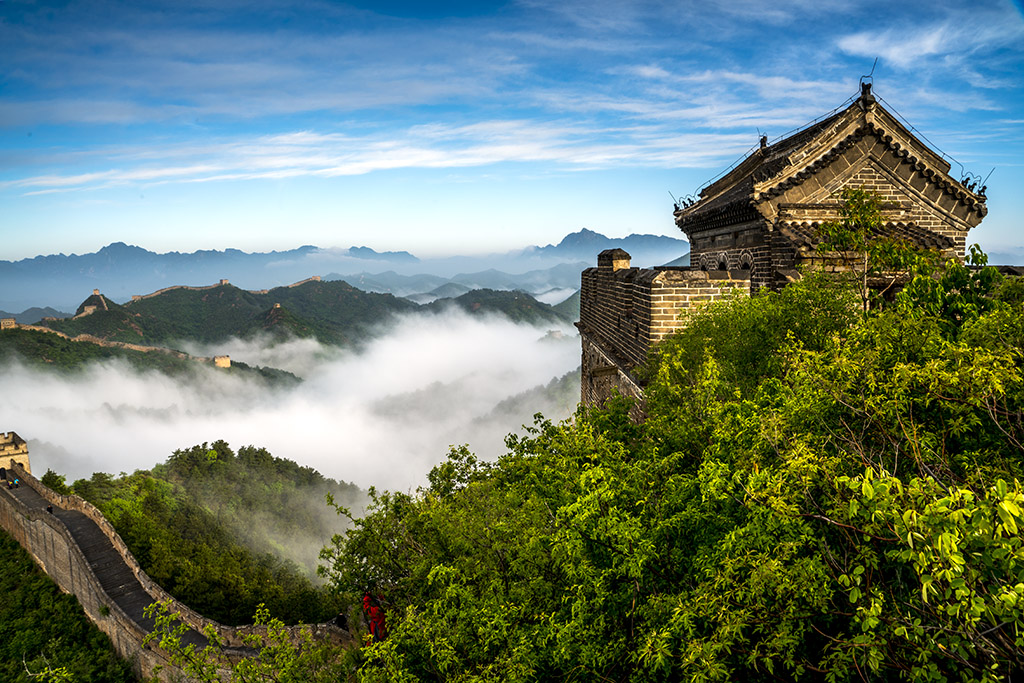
(383, 416)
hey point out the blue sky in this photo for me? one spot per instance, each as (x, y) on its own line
(461, 127)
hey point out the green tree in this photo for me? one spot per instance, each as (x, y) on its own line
(274, 653)
(55, 482)
(44, 634)
(216, 529)
(846, 508)
(876, 261)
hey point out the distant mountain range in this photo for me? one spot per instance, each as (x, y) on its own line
(120, 271)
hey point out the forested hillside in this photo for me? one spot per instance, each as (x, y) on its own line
(44, 634)
(818, 494)
(517, 306)
(54, 353)
(333, 312)
(225, 532)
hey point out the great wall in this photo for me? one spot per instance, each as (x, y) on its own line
(140, 297)
(80, 550)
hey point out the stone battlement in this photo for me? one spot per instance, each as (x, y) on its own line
(625, 311)
(763, 222)
(90, 339)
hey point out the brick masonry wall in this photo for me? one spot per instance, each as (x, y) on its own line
(923, 214)
(51, 545)
(625, 312)
(601, 378)
(871, 164)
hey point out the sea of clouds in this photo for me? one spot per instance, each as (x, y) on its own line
(381, 416)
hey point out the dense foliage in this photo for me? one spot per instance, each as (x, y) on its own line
(276, 655)
(820, 492)
(44, 634)
(218, 530)
(46, 350)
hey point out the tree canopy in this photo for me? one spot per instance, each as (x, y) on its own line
(818, 493)
(226, 532)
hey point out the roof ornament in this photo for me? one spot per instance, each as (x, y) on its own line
(970, 180)
(682, 202)
(984, 183)
(866, 82)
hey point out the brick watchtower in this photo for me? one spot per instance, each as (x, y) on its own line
(757, 227)
(763, 215)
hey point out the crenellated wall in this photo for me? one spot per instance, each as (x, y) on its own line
(90, 339)
(626, 311)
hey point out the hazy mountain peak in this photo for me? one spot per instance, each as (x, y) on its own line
(121, 249)
(582, 238)
(368, 253)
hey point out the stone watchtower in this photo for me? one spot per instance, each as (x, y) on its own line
(13, 448)
(758, 225)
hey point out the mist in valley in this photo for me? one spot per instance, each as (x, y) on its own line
(381, 416)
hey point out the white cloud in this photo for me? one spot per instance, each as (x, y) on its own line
(433, 146)
(384, 416)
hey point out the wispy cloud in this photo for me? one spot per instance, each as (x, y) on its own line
(938, 45)
(308, 153)
(202, 92)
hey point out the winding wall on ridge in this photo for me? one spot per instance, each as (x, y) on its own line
(79, 549)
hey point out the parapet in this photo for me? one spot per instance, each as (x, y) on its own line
(616, 259)
(625, 312)
(222, 361)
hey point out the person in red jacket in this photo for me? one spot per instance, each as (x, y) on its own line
(374, 614)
